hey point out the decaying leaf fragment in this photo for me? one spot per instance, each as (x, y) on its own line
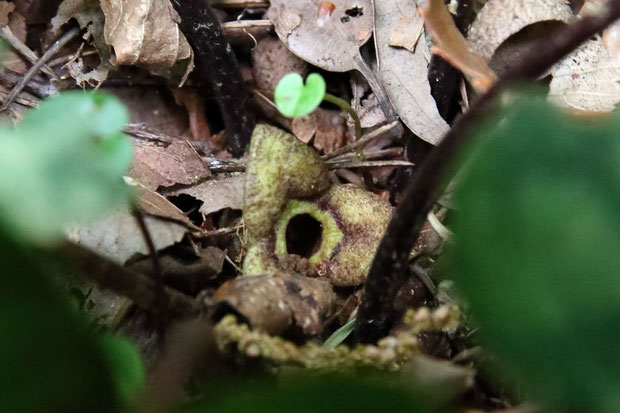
(405, 73)
(274, 303)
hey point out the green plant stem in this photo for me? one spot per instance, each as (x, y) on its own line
(344, 105)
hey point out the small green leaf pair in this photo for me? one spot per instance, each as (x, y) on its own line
(294, 99)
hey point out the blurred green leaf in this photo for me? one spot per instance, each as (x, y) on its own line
(63, 164)
(49, 359)
(126, 365)
(537, 251)
(327, 392)
(294, 99)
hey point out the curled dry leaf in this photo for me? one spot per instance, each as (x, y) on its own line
(273, 303)
(178, 163)
(145, 33)
(452, 46)
(405, 74)
(141, 32)
(89, 16)
(329, 40)
(155, 204)
(223, 191)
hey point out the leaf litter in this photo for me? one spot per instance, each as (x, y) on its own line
(194, 206)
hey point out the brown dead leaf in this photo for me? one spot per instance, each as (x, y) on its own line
(223, 191)
(452, 46)
(327, 127)
(17, 25)
(178, 163)
(274, 303)
(5, 9)
(500, 19)
(405, 74)
(587, 79)
(145, 33)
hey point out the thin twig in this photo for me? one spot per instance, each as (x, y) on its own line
(370, 164)
(51, 52)
(216, 232)
(362, 141)
(25, 51)
(388, 271)
(138, 287)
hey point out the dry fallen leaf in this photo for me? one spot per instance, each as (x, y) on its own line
(178, 163)
(17, 26)
(407, 32)
(222, 191)
(587, 79)
(274, 303)
(118, 236)
(327, 127)
(452, 46)
(405, 74)
(144, 33)
(332, 40)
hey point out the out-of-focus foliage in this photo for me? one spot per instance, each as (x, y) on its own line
(50, 359)
(63, 164)
(327, 392)
(538, 251)
(126, 365)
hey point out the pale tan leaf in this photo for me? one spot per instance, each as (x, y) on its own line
(223, 191)
(586, 80)
(118, 236)
(407, 32)
(405, 74)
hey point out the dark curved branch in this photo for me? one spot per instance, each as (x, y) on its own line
(217, 66)
(388, 270)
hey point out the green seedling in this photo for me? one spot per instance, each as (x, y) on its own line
(295, 100)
